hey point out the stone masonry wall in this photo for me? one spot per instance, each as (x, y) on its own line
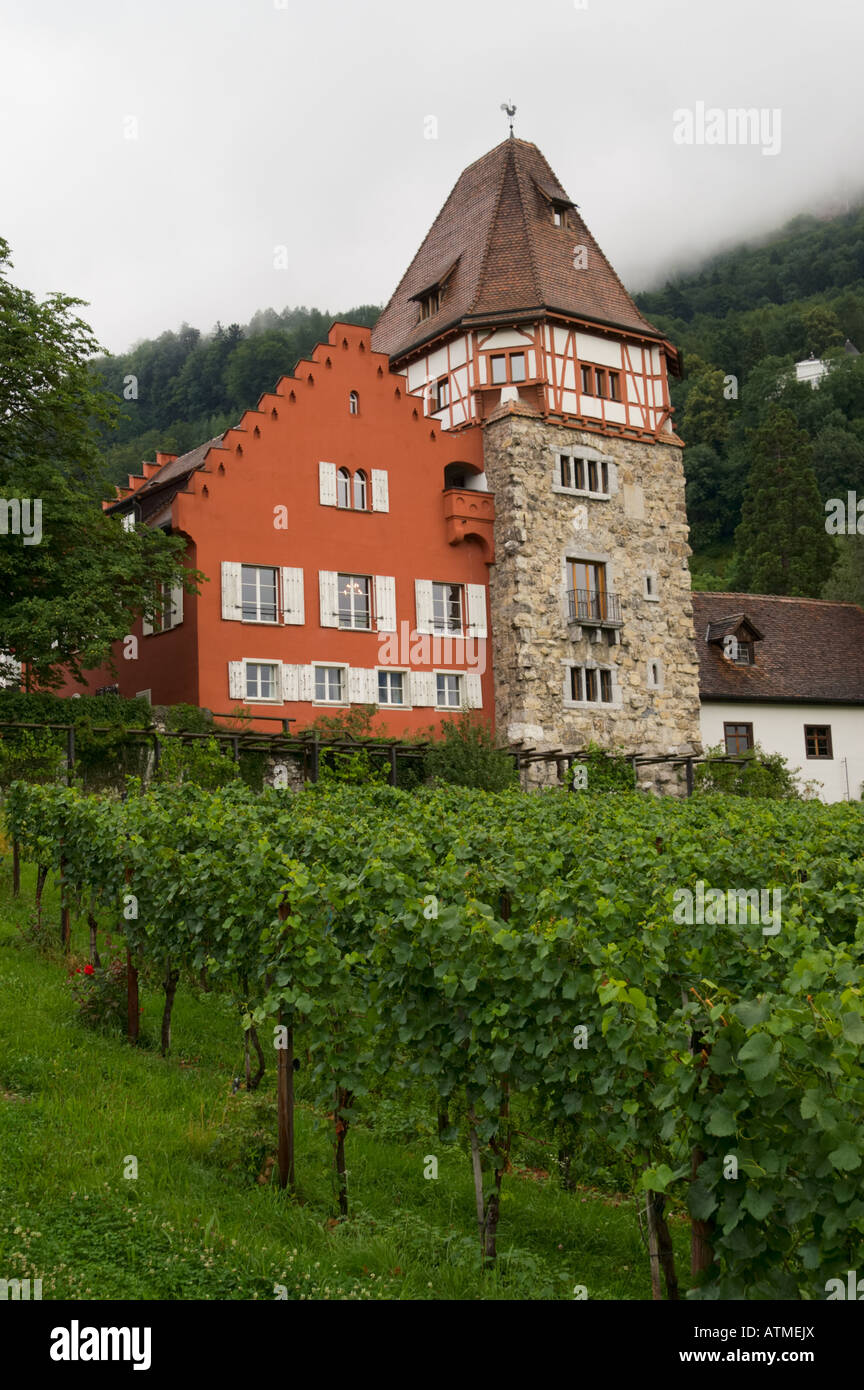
(640, 530)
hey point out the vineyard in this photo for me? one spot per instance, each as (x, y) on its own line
(527, 962)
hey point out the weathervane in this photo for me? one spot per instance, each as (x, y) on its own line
(511, 112)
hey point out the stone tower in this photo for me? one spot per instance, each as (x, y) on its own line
(511, 321)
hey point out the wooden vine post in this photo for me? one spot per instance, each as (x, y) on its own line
(702, 1232)
(169, 984)
(65, 913)
(285, 1094)
(133, 1008)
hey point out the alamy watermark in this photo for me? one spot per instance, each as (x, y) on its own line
(409, 648)
(19, 1289)
(845, 518)
(732, 907)
(21, 516)
(711, 125)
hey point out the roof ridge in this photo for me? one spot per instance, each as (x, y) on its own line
(526, 229)
(774, 598)
(489, 233)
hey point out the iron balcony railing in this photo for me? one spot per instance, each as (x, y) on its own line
(588, 606)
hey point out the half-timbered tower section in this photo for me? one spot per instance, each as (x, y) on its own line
(510, 322)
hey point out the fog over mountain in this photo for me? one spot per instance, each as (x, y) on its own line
(156, 157)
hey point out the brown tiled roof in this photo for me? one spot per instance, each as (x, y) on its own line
(512, 258)
(810, 650)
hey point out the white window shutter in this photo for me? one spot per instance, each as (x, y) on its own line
(176, 605)
(473, 691)
(385, 602)
(327, 484)
(423, 600)
(291, 682)
(236, 680)
(293, 603)
(328, 594)
(476, 599)
(232, 592)
(357, 686)
(380, 490)
(306, 682)
(424, 688)
(146, 627)
(371, 697)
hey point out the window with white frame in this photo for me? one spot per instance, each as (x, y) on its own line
(330, 685)
(391, 687)
(447, 608)
(262, 681)
(343, 488)
(448, 691)
(360, 490)
(442, 394)
(259, 590)
(355, 609)
(354, 403)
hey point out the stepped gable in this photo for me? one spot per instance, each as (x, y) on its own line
(159, 483)
(155, 489)
(807, 650)
(496, 252)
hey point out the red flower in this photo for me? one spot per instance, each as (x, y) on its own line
(77, 969)
(88, 969)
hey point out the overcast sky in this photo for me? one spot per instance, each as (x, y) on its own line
(259, 124)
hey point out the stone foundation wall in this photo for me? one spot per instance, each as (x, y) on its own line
(641, 530)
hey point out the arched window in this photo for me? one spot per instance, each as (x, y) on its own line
(343, 488)
(360, 490)
(354, 403)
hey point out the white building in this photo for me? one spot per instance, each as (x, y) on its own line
(788, 674)
(813, 369)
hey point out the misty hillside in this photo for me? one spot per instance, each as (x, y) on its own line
(742, 319)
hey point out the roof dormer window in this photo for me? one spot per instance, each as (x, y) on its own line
(431, 296)
(736, 637)
(430, 304)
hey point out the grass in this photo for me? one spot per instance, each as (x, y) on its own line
(204, 1219)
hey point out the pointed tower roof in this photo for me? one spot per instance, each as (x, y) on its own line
(496, 254)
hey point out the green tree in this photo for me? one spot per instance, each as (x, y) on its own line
(69, 575)
(845, 584)
(706, 409)
(782, 546)
(466, 754)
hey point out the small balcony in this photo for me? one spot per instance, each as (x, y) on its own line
(592, 609)
(470, 513)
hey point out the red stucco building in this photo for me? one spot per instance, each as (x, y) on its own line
(346, 550)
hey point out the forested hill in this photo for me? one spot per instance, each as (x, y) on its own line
(742, 319)
(191, 386)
